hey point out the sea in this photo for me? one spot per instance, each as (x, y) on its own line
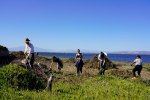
(112, 57)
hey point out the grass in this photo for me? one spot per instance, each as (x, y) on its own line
(93, 88)
(67, 86)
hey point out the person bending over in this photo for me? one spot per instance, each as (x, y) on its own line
(138, 66)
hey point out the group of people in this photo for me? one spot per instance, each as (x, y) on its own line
(29, 53)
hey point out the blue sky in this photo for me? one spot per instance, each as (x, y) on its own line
(61, 25)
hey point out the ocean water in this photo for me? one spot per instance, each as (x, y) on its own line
(113, 57)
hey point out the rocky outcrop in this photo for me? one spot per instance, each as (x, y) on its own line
(4, 55)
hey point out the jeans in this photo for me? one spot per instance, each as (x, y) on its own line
(79, 65)
(102, 70)
(30, 61)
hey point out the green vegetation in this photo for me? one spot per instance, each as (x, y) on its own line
(19, 78)
(16, 83)
(147, 66)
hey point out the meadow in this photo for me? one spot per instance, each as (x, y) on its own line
(17, 83)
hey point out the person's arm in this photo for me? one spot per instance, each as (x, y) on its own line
(103, 62)
(25, 51)
(133, 62)
(99, 57)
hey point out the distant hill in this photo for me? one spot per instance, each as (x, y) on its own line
(21, 48)
(132, 52)
(38, 49)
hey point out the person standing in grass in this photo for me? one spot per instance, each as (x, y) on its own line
(29, 53)
(79, 62)
(138, 66)
(59, 63)
(102, 62)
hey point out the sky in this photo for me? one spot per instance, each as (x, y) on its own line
(65, 25)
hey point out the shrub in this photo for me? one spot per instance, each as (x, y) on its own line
(19, 78)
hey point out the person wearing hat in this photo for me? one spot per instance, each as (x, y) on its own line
(29, 53)
(102, 62)
(138, 66)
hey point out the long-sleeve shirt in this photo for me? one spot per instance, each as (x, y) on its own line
(29, 49)
(102, 61)
(99, 57)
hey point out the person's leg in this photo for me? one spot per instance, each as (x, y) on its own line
(78, 67)
(81, 69)
(81, 66)
(78, 70)
(58, 67)
(31, 60)
(101, 71)
(134, 70)
(104, 68)
(27, 64)
(139, 70)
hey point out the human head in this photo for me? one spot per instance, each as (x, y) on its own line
(54, 58)
(102, 53)
(27, 41)
(78, 50)
(138, 56)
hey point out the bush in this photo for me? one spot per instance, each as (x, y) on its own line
(19, 78)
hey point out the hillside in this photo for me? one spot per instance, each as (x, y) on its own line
(17, 83)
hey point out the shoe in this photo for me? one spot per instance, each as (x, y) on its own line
(133, 78)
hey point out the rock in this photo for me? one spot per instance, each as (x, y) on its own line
(4, 56)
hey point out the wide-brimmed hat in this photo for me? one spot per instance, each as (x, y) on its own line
(27, 40)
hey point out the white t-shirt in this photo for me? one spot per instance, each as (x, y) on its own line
(29, 49)
(138, 62)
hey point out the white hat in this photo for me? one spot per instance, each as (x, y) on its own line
(105, 54)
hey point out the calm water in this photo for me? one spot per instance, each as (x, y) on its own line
(113, 57)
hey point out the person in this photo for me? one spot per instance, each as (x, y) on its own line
(50, 82)
(59, 63)
(29, 53)
(102, 62)
(79, 62)
(138, 66)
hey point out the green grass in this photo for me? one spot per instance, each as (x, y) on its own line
(107, 88)
(82, 88)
